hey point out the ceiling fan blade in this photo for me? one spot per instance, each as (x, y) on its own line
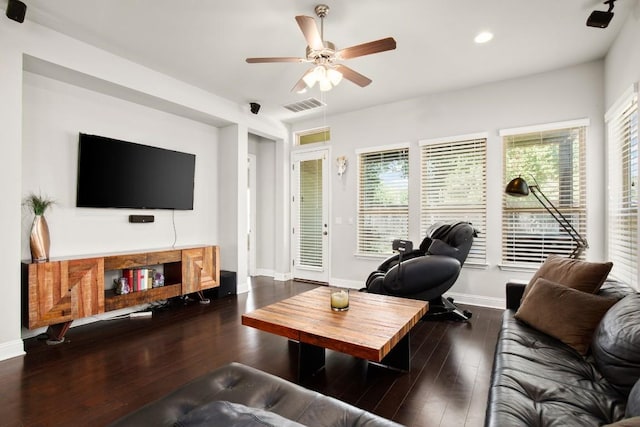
(354, 76)
(310, 30)
(367, 48)
(275, 59)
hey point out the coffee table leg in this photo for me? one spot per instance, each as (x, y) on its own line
(310, 360)
(399, 357)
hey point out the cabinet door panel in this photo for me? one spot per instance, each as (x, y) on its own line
(199, 269)
(85, 280)
(49, 297)
(62, 291)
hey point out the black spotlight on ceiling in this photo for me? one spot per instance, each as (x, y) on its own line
(599, 18)
(16, 10)
(255, 107)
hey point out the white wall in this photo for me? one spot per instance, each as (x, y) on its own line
(10, 189)
(53, 114)
(565, 94)
(62, 107)
(622, 64)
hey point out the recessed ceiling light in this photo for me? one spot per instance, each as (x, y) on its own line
(483, 37)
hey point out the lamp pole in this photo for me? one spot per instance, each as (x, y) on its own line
(518, 187)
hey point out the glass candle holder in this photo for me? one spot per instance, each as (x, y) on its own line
(339, 299)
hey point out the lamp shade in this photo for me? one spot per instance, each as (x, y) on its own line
(517, 187)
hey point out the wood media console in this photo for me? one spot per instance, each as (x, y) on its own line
(56, 292)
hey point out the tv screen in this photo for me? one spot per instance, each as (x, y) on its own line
(120, 174)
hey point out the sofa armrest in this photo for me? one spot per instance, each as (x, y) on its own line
(514, 291)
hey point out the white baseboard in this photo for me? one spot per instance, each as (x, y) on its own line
(265, 272)
(11, 349)
(343, 283)
(282, 277)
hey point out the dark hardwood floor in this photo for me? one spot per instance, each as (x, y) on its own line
(109, 368)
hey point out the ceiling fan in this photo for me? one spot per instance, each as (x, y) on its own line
(323, 54)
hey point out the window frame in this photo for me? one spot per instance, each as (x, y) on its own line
(530, 253)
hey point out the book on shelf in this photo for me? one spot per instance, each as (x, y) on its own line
(140, 279)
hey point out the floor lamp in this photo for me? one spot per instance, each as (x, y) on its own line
(518, 187)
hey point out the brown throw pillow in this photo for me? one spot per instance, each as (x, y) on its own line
(574, 273)
(564, 313)
(627, 422)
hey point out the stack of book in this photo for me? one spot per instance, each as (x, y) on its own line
(140, 279)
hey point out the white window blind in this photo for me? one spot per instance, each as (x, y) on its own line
(554, 160)
(453, 187)
(310, 213)
(622, 221)
(383, 199)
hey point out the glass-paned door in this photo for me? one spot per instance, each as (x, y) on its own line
(310, 230)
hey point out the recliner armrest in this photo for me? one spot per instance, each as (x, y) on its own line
(514, 291)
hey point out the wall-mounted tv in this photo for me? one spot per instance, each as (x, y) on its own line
(120, 174)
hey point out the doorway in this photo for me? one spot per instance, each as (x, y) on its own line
(251, 213)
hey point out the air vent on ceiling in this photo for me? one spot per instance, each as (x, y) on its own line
(307, 104)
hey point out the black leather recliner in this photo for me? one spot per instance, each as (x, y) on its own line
(428, 272)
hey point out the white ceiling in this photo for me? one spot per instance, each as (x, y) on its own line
(205, 42)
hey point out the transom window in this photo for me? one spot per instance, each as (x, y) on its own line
(313, 136)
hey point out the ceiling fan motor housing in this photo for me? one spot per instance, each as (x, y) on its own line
(327, 54)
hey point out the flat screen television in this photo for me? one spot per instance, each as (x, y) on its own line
(120, 174)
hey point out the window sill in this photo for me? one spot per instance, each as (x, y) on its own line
(518, 267)
(373, 256)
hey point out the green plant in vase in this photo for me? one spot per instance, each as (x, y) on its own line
(39, 239)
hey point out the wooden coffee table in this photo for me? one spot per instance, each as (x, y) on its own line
(375, 328)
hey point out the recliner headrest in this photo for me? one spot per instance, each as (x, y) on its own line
(453, 234)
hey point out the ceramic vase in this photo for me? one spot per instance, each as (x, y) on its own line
(39, 239)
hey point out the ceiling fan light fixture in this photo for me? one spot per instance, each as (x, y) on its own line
(310, 79)
(334, 76)
(325, 85)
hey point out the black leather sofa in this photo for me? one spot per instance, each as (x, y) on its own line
(238, 395)
(540, 381)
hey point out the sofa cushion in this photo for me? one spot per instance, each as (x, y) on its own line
(582, 275)
(616, 344)
(230, 414)
(564, 313)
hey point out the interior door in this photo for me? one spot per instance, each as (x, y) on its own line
(310, 215)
